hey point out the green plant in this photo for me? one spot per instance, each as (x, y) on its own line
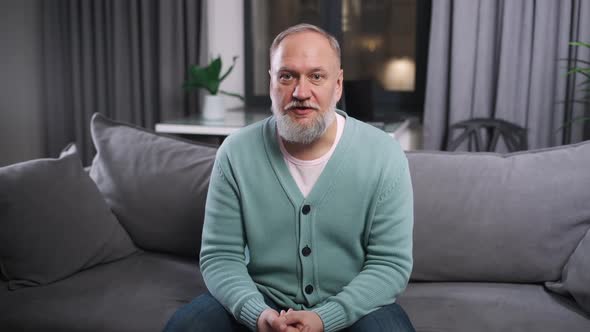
(209, 77)
(584, 70)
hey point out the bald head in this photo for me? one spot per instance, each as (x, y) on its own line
(301, 28)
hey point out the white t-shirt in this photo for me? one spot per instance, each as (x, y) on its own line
(306, 172)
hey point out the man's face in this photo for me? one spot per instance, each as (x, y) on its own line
(305, 85)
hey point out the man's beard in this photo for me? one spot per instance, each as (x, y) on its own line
(294, 132)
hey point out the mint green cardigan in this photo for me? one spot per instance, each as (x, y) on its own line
(356, 224)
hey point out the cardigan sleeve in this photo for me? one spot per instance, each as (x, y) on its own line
(388, 261)
(222, 257)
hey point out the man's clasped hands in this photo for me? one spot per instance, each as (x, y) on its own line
(289, 321)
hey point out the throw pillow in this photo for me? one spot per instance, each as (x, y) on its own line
(54, 222)
(156, 185)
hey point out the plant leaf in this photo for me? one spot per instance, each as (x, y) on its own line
(230, 69)
(197, 77)
(213, 71)
(208, 77)
(579, 44)
(574, 120)
(578, 70)
(574, 71)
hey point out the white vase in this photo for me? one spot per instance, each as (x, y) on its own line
(213, 108)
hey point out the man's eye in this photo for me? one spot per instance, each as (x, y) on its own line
(316, 77)
(285, 76)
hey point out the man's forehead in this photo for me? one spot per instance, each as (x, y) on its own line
(310, 35)
(304, 48)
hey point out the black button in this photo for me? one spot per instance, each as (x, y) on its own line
(308, 289)
(306, 251)
(306, 209)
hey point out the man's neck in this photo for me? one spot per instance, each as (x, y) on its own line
(315, 149)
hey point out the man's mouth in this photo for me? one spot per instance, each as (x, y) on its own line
(301, 109)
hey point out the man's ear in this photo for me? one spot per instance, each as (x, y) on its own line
(339, 84)
(269, 79)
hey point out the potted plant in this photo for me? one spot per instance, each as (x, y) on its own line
(210, 78)
(581, 67)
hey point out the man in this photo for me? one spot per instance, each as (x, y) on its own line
(322, 201)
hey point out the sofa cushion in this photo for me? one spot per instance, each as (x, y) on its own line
(491, 217)
(489, 307)
(155, 185)
(54, 222)
(575, 279)
(138, 293)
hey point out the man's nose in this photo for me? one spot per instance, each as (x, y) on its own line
(302, 90)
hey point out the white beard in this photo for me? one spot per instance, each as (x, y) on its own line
(293, 132)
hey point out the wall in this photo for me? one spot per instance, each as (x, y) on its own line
(226, 38)
(20, 89)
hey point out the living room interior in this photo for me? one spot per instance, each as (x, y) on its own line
(467, 60)
(489, 99)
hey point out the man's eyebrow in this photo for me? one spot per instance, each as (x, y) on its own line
(312, 70)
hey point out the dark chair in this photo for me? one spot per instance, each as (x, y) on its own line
(513, 135)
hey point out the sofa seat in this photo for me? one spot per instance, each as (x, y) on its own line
(137, 293)
(482, 307)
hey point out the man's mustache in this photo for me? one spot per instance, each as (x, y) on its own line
(301, 104)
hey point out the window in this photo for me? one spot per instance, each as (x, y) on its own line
(384, 47)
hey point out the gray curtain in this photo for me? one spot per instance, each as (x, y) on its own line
(126, 59)
(501, 59)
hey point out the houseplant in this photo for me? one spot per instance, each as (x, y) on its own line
(581, 67)
(210, 78)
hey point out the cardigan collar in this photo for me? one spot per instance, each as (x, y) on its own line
(329, 174)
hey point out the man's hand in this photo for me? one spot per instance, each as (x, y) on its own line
(271, 321)
(307, 321)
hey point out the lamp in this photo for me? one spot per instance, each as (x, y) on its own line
(399, 74)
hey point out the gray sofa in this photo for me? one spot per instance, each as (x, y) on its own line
(501, 241)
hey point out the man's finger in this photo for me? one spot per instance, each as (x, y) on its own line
(264, 321)
(278, 323)
(292, 329)
(293, 317)
(270, 319)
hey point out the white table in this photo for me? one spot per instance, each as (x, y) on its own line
(195, 125)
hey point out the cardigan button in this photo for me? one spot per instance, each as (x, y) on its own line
(306, 251)
(308, 289)
(306, 209)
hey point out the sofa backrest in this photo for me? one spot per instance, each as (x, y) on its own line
(501, 218)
